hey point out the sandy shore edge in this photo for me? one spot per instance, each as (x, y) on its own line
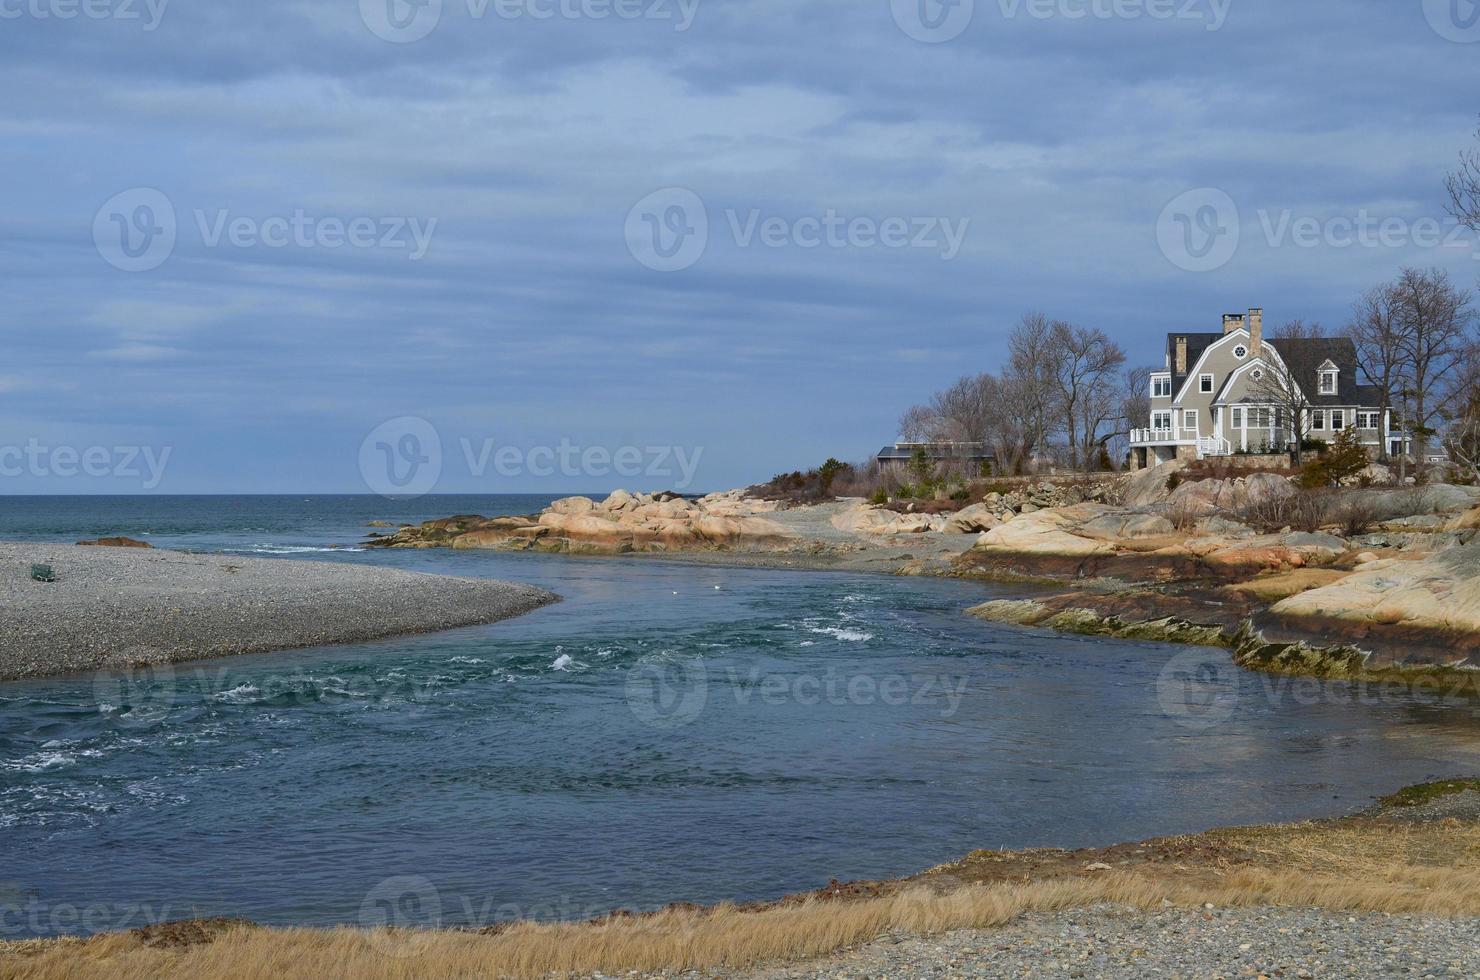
(114, 608)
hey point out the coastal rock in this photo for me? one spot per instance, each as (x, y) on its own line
(972, 520)
(1437, 594)
(1047, 532)
(1122, 527)
(1210, 497)
(622, 523)
(573, 505)
(116, 543)
(1225, 528)
(1325, 546)
(1149, 486)
(1469, 520)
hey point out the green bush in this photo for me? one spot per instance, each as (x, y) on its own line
(1343, 457)
(880, 497)
(828, 472)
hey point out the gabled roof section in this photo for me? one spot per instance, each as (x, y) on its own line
(1341, 354)
(1197, 345)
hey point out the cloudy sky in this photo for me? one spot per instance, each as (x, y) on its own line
(503, 245)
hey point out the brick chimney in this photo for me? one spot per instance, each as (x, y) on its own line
(1232, 322)
(1256, 331)
(1180, 361)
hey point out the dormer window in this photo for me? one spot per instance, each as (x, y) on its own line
(1241, 352)
(1161, 387)
(1328, 378)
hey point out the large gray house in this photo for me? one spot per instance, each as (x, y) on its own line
(1214, 395)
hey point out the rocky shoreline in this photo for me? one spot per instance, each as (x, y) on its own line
(1161, 554)
(113, 608)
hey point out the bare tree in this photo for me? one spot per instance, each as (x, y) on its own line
(1462, 434)
(1285, 377)
(1086, 369)
(1435, 319)
(919, 423)
(1464, 188)
(1032, 368)
(1376, 330)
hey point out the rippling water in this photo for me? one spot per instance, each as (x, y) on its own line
(669, 732)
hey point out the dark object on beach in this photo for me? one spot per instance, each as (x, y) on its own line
(43, 573)
(116, 543)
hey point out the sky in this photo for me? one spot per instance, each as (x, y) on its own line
(570, 245)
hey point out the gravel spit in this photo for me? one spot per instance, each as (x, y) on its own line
(1292, 944)
(117, 607)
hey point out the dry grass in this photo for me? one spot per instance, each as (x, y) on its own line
(1272, 588)
(1354, 864)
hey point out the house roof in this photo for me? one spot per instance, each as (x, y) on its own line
(1196, 344)
(1342, 353)
(939, 451)
(1304, 355)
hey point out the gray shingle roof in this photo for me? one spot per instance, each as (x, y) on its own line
(937, 452)
(1305, 357)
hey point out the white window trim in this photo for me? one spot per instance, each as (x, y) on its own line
(1189, 419)
(1318, 420)
(1241, 351)
(1330, 381)
(1238, 418)
(1205, 383)
(1338, 419)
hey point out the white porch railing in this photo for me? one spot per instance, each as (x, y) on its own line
(1148, 437)
(1214, 446)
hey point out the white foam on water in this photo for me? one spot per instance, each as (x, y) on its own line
(287, 549)
(564, 662)
(40, 762)
(241, 694)
(838, 633)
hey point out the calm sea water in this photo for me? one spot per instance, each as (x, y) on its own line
(669, 732)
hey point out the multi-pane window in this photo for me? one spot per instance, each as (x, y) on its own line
(1318, 421)
(1369, 420)
(1161, 387)
(1161, 420)
(1328, 382)
(1189, 420)
(1259, 418)
(1238, 418)
(1338, 420)
(1206, 382)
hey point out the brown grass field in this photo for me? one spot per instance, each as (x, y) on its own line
(1369, 863)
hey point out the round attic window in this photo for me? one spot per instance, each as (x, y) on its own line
(1241, 352)
(1257, 374)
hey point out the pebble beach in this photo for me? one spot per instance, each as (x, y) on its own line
(118, 607)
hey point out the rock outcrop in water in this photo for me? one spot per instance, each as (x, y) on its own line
(623, 523)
